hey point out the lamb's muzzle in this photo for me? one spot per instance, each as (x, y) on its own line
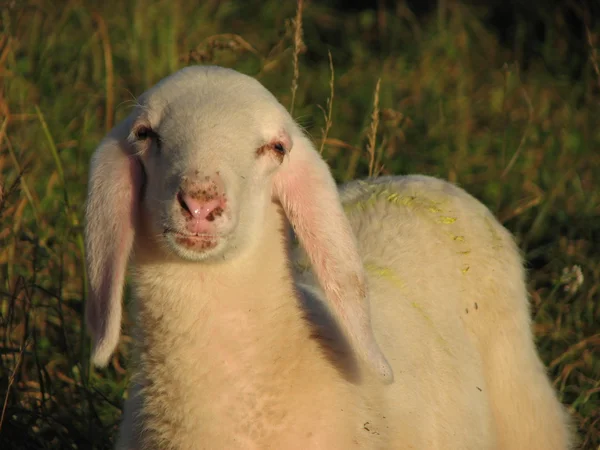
(202, 201)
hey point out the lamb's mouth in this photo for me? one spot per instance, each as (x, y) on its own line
(194, 241)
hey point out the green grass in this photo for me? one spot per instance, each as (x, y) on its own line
(452, 103)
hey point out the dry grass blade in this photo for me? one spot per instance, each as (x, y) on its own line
(231, 41)
(327, 115)
(11, 380)
(372, 136)
(341, 144)
(53, 149)
(589, 341)
(298, 46)
(110, 78)
(523, 206)
(505, 112)
(5, 44)
(512, 161)
(15, 161)
(593, 53)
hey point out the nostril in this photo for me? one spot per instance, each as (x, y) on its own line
(183, 204)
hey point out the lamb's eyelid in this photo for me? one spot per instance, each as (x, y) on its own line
(131, 137)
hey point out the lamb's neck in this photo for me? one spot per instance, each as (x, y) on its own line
(214, 318)
(228, 311)
(226, 357)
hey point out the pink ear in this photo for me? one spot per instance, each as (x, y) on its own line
(113, 196)
(309, 196)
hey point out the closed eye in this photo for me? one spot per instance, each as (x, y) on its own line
(279, 148)
(276, 149)
(145, 134)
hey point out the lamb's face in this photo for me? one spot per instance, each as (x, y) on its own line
(209, 149)
(194, 168)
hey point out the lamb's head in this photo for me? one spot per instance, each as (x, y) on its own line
(209, 141)
(194, 167)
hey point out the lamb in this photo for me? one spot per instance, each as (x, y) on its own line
(274, 311)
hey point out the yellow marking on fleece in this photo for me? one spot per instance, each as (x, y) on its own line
(454, 237)
(495, 236)
(390, 275)
(386, 273)
(465, 269)
(428, 319)
(376, 192)
(393, 197)
(447, 220)
(406, 201)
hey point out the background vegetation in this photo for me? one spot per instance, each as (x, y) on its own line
(503, 100)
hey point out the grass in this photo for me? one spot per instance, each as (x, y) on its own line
(380, 91)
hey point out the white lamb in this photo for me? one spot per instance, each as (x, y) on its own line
(239, 347)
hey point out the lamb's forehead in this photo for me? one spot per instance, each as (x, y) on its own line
(212, 92)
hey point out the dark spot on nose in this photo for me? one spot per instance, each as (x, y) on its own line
(217, 212)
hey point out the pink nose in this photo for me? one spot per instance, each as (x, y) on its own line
(201, 209)
(202, 201)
